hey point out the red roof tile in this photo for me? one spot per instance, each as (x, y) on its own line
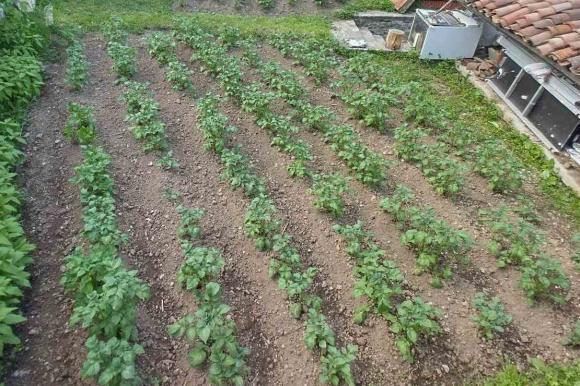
(552, 27)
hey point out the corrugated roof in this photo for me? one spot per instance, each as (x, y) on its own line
(550, 26)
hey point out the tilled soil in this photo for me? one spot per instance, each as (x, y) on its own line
(53, 353)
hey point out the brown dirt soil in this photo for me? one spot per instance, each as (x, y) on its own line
(278, 355)
(253, 7)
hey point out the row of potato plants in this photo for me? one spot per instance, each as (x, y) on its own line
(106, 294)
(124, 55)
(76, 66)
(142, 108)
(161, 46)
(515, 240)
(261, 224)
(437, 244)
(371, 104)
(328, 189)
(20, 81)
(211, 329)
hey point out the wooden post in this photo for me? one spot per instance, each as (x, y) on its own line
(394, 39)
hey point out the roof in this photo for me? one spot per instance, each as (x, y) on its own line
(552, 27)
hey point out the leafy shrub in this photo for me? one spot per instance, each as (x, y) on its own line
(544, 278)
(491, 317)
(80, 127)
(328, 190)
(266, 4)
(20, 82)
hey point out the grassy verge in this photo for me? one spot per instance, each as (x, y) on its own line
(348, 11)
(540, 374)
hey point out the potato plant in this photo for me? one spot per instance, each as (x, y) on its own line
(179, 76)
(105, 293)
(328, 191)
(370, 107)
(238, 172)
(314, 54)
(80, 126)
(514, 240)
(446, 175)
(543, 278)
(124, 58)
(213, 124)
(162, 47)
(381, 282)
(262, 225)
(573, 339)
(495, 163)
(367, 166)
(76, 70)
(210, 330)
(491, 317)
(414, 319)
(143, 112)
(336, 365)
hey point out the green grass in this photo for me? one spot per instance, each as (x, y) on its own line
(354, 6)
(539, 375)
(262, 25)
(137, 14)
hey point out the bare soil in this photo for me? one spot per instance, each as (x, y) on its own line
(53, 353)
